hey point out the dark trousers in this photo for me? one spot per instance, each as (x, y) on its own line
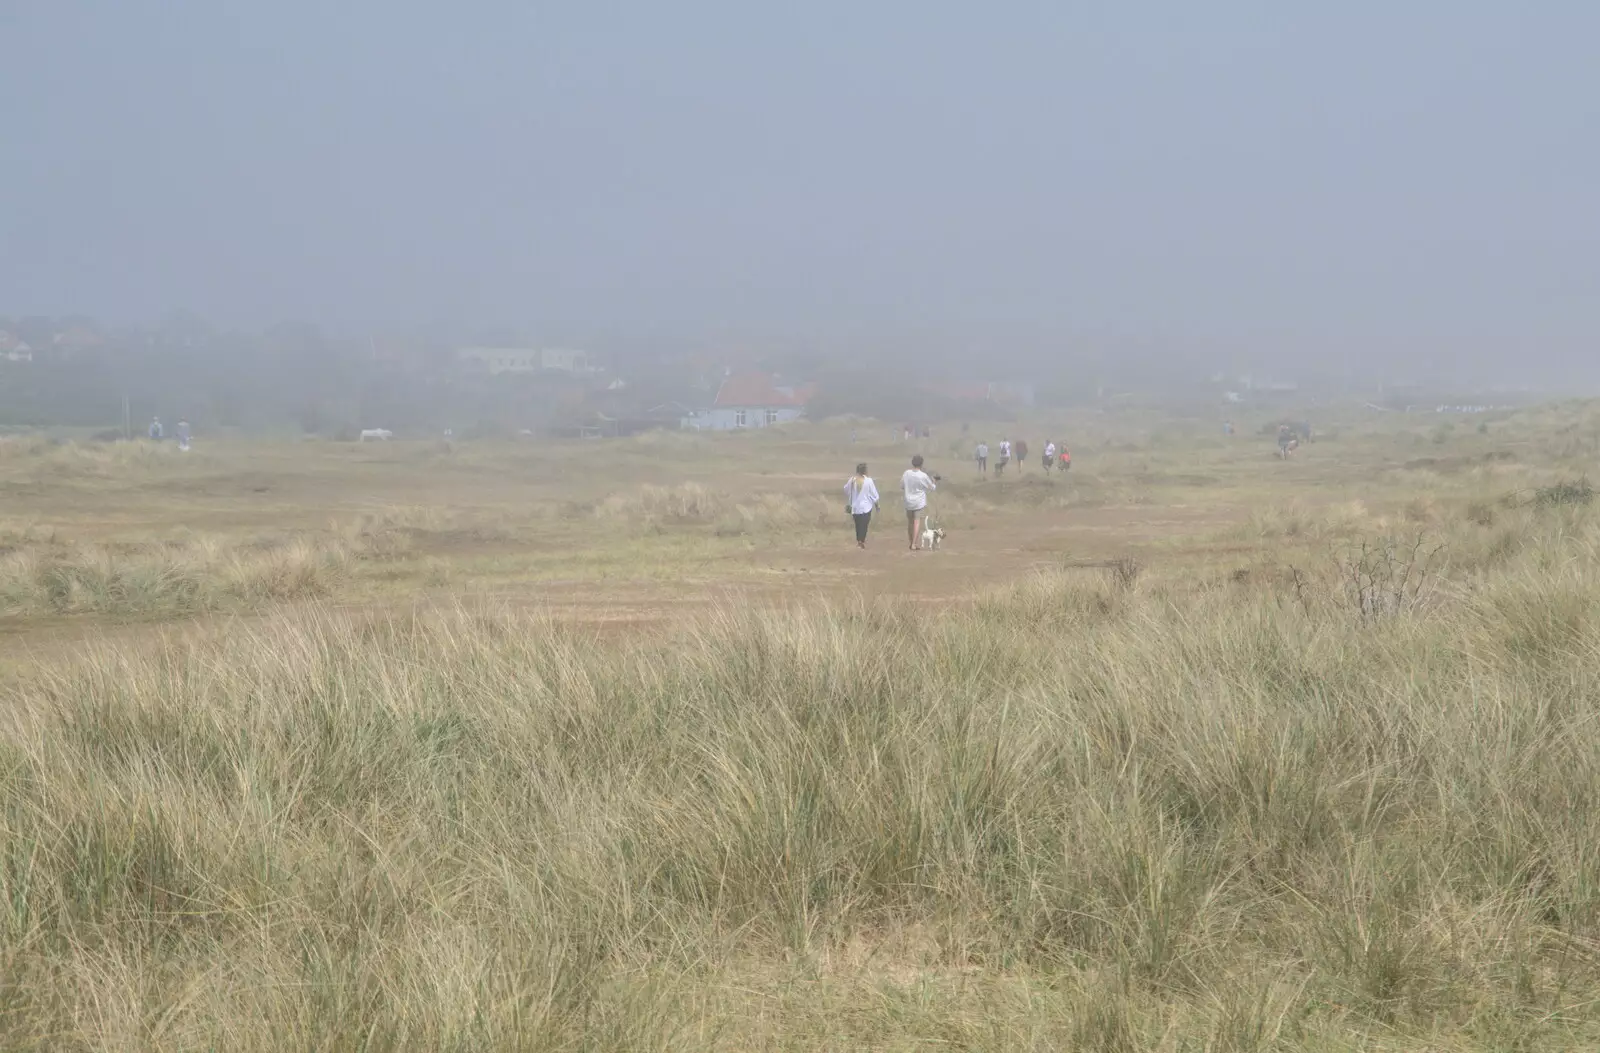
(862, 519)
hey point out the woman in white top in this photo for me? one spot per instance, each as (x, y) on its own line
(861, 497)
(916, 483)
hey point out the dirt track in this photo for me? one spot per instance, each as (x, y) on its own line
(971, 559)
(974, 557)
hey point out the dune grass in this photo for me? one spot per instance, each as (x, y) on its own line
(166, 580)
(692, 503)
(60, 461)
(1090, 810)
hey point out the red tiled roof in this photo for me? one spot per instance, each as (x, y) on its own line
(759, 389)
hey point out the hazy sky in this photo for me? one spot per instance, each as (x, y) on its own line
(1418, 177)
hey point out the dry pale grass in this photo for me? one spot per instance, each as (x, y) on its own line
(58, 461)
(24, 447)
(689, 504)
(171, 579)
(1300, 519)
(44, 573)
(1086, 812)
(686, 501)
(394, 528)
(15, 533)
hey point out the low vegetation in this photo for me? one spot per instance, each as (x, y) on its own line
(1088, 811)
(95, 460)
(168, 580)
(688, 504)
(1566, 492)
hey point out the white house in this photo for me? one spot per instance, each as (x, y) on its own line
(753, 400)
(566, 360)
(13, 348)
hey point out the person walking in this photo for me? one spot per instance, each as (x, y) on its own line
(1049, 454)
(184, 434)
(916, 484)
(982, 454)
(861, 499)
(155, 429)
(1005, 457)
(1021, 447)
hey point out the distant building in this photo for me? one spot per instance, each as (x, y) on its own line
(751, 400)
(667, 412)
(13, 348)
(566, 360)
(76, 339)
(1267, 384)
(529, 360)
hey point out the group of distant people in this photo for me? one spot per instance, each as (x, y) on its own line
(1290, 436)
(182, 433)
(1056, 457)
(862, 497)
(861, 500)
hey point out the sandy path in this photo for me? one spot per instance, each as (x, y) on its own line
(974, 557)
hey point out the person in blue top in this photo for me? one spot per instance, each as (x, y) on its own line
(155, 428)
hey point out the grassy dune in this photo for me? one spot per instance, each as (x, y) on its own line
(166, 580)
(45, 572)
(1095, 809)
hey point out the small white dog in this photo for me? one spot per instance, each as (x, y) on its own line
(931, 536)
